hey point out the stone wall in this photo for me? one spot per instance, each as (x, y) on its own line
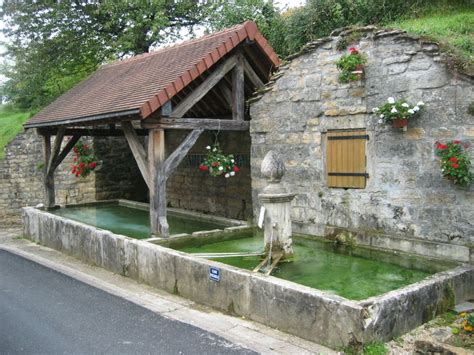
(405, 195)
(195, 190)
(21, 177)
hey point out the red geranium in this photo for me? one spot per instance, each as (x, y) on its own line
(203, 168)
(236, 169)
(353, 50)
(455, 162)
(84, 161)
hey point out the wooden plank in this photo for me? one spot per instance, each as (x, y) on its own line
(48, 179)
(196, 123)
(178, 155)
(138, 151)
(93, 132)
(156, 157)
(238, 93)
(69, 145)
(204, 87)
(252, 75)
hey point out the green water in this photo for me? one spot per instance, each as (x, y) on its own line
(128, 221)
(317, 265)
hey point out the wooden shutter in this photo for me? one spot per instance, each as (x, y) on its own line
(345, 159)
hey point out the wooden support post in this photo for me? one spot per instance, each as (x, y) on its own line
(156, 158)
(160, 170)
(238, 94)
(48, 179)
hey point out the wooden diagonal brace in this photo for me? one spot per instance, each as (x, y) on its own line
(252, 75)
(69, 145)
(138, 151)
(55, 151)
(178, 155)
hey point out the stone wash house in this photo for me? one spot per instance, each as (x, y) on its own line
(403, 202)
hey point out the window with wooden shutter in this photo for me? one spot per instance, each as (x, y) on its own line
(345, 159)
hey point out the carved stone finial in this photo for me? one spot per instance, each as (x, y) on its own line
(273, 167)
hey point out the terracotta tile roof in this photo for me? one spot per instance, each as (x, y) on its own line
(142, 84)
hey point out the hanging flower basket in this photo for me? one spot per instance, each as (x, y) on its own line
(398, 113)
(218, 163)
(84, 161)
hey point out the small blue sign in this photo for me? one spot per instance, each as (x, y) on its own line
(214, 273)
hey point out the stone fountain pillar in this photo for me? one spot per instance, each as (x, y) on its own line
(277, 202)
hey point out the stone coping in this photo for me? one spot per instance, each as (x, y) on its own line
(309, 313)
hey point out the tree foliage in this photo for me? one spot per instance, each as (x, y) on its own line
(53, 44)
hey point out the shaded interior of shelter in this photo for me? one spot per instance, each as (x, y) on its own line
(188, 187)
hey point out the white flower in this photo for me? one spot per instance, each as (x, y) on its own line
(416, 108)
(232, 161)
(208, 147)
(391, 100)
(410, 111)
(405, 105)
(380, 121)
(214, 149)
(232, 173)
(382, 116)
(221, 168)
(420, 103)
(393, 110)
(226, 176)
(375, 109)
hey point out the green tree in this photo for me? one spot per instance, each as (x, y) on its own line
(53, 44)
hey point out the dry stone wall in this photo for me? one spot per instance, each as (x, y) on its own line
(21, 177)
(195, 190)
(406, 195)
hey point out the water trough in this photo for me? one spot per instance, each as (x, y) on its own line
(313, 314)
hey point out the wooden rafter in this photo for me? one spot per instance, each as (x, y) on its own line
(204, 87)
(252, 75)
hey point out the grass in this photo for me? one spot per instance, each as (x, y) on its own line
(453, 29)
(11, 121)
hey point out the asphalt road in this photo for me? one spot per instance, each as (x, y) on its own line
(45, 312)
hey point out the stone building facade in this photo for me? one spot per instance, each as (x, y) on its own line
(405, 195)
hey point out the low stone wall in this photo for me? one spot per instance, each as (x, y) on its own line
(311, 314)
